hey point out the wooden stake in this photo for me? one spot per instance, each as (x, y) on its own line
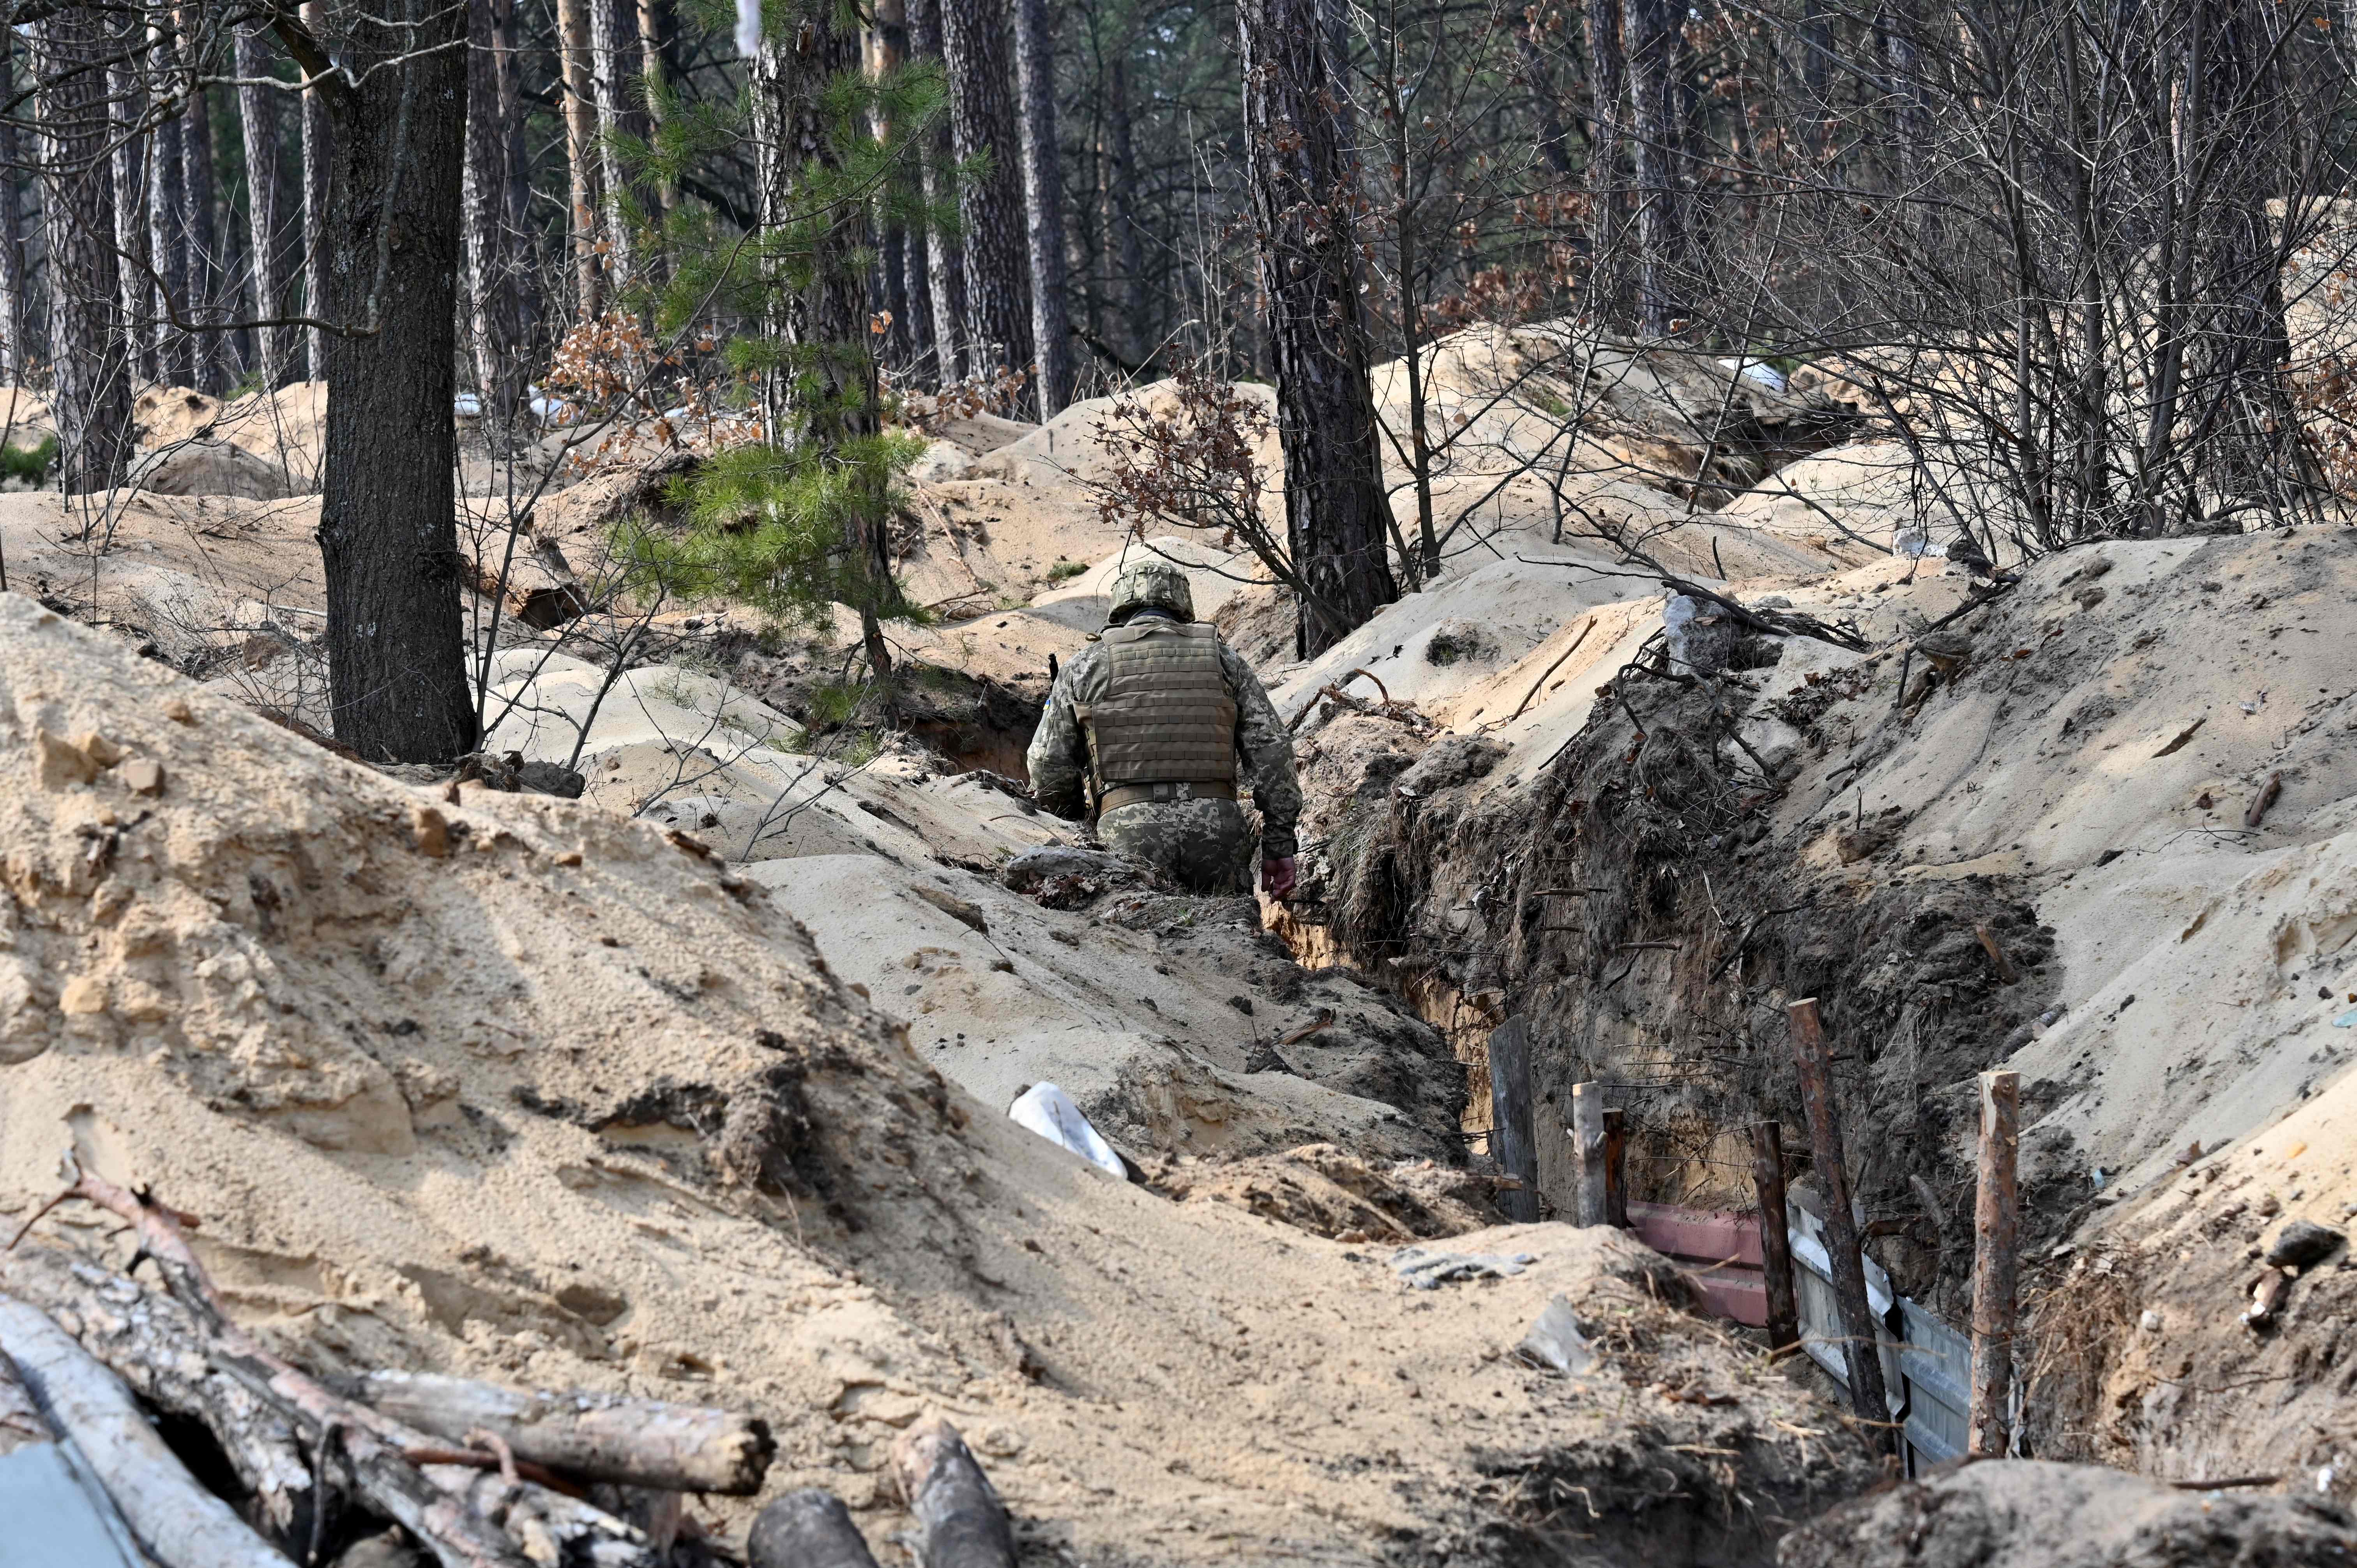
(1860, 1346)
(1996, 1237)
(964, 1523)
(1616, 1168)
(1587, 1150)
(1511, 1143)
(1775, 1238)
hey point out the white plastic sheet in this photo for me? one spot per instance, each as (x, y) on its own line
(1050, 1111)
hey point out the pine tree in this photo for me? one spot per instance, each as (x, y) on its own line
(799, 518)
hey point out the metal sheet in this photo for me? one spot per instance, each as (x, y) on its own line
(52, 1521)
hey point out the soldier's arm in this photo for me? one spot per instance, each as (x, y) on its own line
(1266, 749)
(1059, 758)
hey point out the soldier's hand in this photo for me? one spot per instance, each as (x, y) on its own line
(1277, 877)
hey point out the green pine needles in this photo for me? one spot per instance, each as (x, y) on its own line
(797, 517)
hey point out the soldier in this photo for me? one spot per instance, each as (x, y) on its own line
(1155, 720)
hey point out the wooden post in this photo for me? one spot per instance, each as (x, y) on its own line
(1616, 1168)
(1587, 1148)
(1775, 1238)
(1860, 1344)
(1997, 1235)
(1511, 1143)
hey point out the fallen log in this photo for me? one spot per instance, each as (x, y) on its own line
(57, 1511)
(809, 1530)
(174, 1519)
(158, 1349)
(369, 1448)
(155, 1346)
(964, 1523)
(598, 1437)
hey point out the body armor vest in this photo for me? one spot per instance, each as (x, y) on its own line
(1167, 717)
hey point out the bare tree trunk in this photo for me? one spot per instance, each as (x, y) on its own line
(904, 342)
(12, 358)
(208, 347)
(257, 110)
(168, 246)
(990, 207)
(1123, 244)
(573, 44)
(1303, 196)
(827, 315)
(133, 195)
(1043, 203)
(652, 27)
(1656, 51)
(1611, 298)
(614, 54)
(318, 157)
(387, 518)
(944, 261)
(494, 302)
(88, 343)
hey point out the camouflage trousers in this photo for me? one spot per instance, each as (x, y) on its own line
(1205, 846)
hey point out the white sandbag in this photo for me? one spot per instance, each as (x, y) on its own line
(1050, 1111)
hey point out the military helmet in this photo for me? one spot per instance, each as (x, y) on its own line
(1150, 584)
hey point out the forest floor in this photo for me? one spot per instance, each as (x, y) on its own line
(566, 1104)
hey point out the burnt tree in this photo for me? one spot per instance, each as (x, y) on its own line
(89, 343)
(1304, 200)
(396, 103)
(973, 39)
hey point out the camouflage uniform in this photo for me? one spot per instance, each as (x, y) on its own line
(1204, 843)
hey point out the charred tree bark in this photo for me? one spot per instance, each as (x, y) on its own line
(964, 1524)
(573, 44)
(1657, 118)
(808, 1529)
(1304, 196)
(88, 342)
(945, 258)
(257, 110)
(1043, 203)
(990, 205)
(387, 520)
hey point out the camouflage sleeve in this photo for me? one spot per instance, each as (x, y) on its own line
(1059, 758)
(1266, 745)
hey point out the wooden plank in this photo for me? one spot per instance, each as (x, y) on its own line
(1511, 1143)
(1587, 1153)
(1783, 1314)
(1860, 1346)
(1996, 1227)
(1616, 1168)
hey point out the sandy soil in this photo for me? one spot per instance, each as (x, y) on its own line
(519, 1088)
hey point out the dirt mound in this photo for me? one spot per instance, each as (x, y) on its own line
(200, 467)
(2025, 1514)
(516, 1087)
